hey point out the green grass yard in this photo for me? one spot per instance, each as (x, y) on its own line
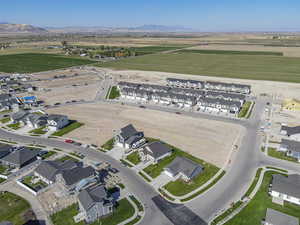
(257, 67)
(123, 211)
(113, 93)
(255, 211)
(134, 158)
(109, 144)
(280, 155)
(67, 129)
(40, 130)
(244, 110)
(5, 120)
(35, 62)
(12, 208)
(14, 126)
(67, 157)
(180, 187)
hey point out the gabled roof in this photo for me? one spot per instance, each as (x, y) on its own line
(128, 131)
(183, 165)
(156, 149)
(92, 195)
(287, 185)
(4, 150)
(19, 115)
(76, 174)
(20, 157)
(291, 145)
(275, 217)
(291, 130)
(56, 117)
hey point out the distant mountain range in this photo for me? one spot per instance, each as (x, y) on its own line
(20, 28)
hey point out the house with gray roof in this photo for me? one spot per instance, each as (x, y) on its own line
(154, 152)
(129, 138)
(5, 150)
(219, 105)
(6, 223)
(226, 96)
(286, 188)
(94, 203)
(228, 87)
(20, 158)
(274, 217)
(183, 168)
(19, 116)
(35, 120)
(291, 132)
(292, 148)
(183, 83)
(56, 122)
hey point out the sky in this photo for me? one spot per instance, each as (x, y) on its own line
(210, 15)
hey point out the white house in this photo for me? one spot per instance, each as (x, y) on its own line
(286, 188)
(291, 132)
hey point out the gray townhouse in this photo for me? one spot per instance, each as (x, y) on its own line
(286, 188)
(129, 138)
(219, 105)
(182, 83)
(183, 168)
(123, 84)
(190, 92)
(291, 148)
(291, 132)
(226, 96)
(228, 87)
(154, 152)
(94, 203)
(154, 88)
(274, 217)
(8, 102)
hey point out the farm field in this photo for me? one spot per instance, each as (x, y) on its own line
(256, 67)
(229, 52)
(33, 62)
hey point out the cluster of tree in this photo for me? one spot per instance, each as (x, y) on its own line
(4, 45)
(101, 51)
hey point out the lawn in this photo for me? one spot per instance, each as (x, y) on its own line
(229, 52)
(134, 158)
(180, 187)
(138, 204)
(40, 130)
(67, 157)
(109, 144)
(34, 62)
(14, 126)
(48, 154)
(114, 93)
(5, 120)
(123, 211)
(12, 208)
(280, 155)
(255, 67)
(2, 169)
(255, 211)
(67, 129)
(244, 110)
(254, 183)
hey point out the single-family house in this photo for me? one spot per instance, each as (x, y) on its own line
(154, 152)
(35, 120)
(183, 168)
(5, 150)
(286, 188)
(291, 132)
(19, 116)
(56, 122)
(20, 158)
(274, 217)
(291, 147)
(94, 203)
(129, 138)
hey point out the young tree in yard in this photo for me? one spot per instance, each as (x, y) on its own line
(64, 43)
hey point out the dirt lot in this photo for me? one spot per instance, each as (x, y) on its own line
(279, 90)
(287, 51)
(206, 139)
(83, 86)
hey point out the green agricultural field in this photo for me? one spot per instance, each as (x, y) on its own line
(229, 52)
(34, 62)
(155, 49)
(255, 67)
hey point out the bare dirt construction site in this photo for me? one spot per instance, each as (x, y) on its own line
(76, 85)
(206, 139)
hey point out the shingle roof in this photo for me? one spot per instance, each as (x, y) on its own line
(184, 166)
(56, 117)
(76, 174)
(287, 185)
(291, 145)
(291, 130)
(156, 149)
(91, 195)
(275, 217)
(128, 131)
(6, 223)
(20, 157)
(4, 150)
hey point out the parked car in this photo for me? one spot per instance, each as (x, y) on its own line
(178, 113)
(69, 141)
(77, 143)
(57, 103)
(142, 106)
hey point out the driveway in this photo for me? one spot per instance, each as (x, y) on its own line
(161, 180)
(116, 153)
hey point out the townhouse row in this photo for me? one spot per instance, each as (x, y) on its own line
(203, 100)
